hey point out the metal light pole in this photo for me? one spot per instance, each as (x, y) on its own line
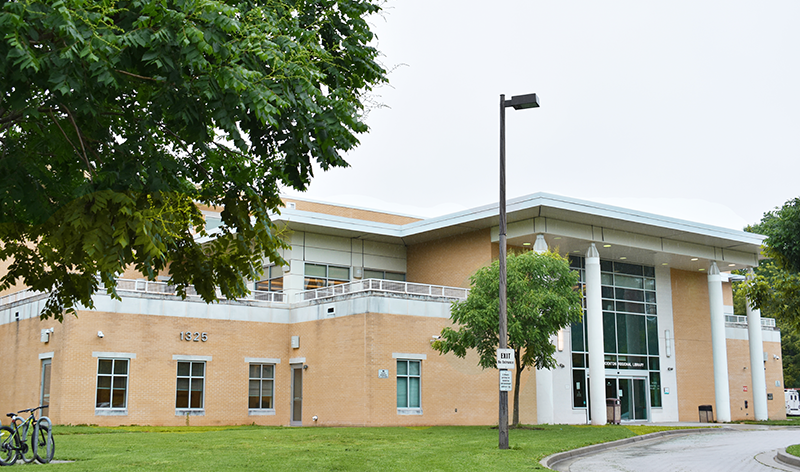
(518, 102)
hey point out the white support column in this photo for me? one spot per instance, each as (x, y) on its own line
(594, 330)
(544, 396)
(755, 340)
(544, 377)
(719, 345)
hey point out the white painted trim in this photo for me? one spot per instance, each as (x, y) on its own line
(181, 357)
(297, 360)
(45, 355)
(123, 355)
(403, 355)
(261, 360)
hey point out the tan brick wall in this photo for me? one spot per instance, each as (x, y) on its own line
(341, 384)
(3, 270)
(354, 213)
(693, 356)
(449, 261)
(739, 376)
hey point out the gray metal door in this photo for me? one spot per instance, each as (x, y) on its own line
(297, 395)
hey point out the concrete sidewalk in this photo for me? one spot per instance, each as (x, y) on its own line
(725, 447)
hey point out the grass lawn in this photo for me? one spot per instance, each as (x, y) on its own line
(794, 450)
(320, 449)
(789, 421)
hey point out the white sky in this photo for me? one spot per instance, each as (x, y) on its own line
(689, 109)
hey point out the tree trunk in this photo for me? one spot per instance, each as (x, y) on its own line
(518, 372)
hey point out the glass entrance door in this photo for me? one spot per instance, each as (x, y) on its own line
(632, 395)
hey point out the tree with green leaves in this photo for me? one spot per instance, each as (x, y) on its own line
(776, 287)
(118, 117)
(542, 298)
(775, 290)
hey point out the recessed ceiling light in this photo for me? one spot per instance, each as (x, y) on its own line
(702, 270)
(694, 259)
(526, 244)
(664, 263)
(622, 258)
(575, 251)
(557, 237)
(606, 245)
(731, 265)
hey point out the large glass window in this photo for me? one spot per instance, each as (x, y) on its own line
(273, 281)
(630, 325)
(191, 385)
(112, 383)
(262, 386)
(409, 377)
(321, 275)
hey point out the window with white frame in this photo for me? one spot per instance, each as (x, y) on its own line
(273, 281)
(261, 387)
(322, 275)
(112, 384)
(409, 377)
(191, 385)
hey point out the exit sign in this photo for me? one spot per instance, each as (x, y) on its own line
(505, 359)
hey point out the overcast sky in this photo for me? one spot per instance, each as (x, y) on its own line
(689, 109)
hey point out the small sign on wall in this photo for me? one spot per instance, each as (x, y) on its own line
(383, 373)
(744, 388)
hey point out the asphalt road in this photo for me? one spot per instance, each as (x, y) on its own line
(739, 450)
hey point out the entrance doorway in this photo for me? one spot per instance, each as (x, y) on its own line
(297, 395)
(632, 394)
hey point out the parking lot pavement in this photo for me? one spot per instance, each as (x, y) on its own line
(741, 450)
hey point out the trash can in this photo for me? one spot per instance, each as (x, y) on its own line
(706, 414)
(612, 410)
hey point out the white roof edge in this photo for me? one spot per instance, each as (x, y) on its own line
(583, 206)
(513, 205)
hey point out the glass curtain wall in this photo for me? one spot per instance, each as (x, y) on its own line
(630, 327)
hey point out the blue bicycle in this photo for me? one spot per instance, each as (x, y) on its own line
(14, 439)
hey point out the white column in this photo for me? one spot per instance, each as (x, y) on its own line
(594, 330)
(718, 345)
(544, 377)
(544, 396)
(757, 361)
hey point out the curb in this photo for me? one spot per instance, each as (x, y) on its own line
(786, 458)
(554, 459)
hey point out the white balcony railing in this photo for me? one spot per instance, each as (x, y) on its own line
(739, 319)
(147, 286)
(389, 286)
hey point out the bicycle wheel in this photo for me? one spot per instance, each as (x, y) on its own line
(43, 445)
(25, 443)
(9, 444)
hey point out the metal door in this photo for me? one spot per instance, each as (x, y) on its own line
(297, 395)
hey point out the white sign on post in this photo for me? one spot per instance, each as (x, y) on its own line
(505, 380)
(505, 359)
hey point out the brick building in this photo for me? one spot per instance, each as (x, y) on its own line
(341, 334)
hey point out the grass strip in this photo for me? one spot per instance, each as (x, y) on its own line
(794, 450)
(440, 448)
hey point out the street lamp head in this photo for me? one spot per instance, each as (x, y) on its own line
(521, 102)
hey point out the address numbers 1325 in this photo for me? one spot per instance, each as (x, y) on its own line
(194, 336)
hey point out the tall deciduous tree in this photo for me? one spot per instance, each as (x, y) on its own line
(542, 299)
(118, 116)
(776, 288)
